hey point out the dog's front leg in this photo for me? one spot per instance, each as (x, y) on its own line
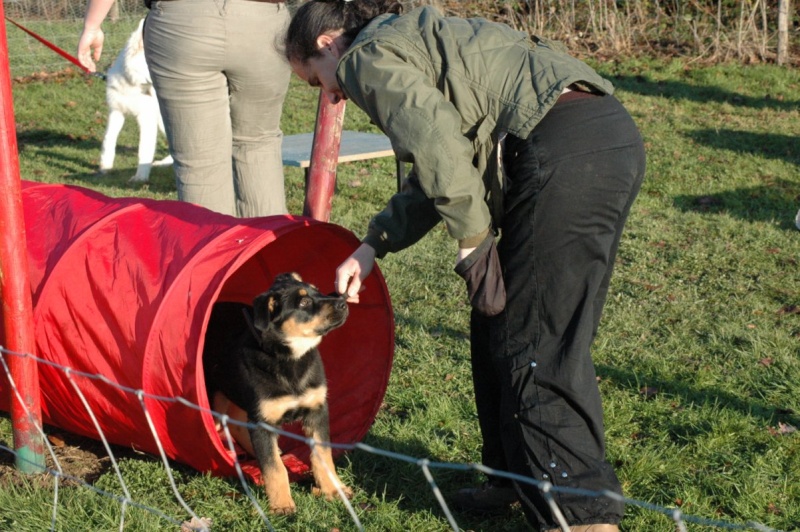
(316, 426)
(273, 472)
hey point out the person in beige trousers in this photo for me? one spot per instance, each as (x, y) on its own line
(221, 83)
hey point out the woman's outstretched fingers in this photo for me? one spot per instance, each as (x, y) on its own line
(351, 273)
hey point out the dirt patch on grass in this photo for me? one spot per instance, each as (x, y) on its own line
(75, 459)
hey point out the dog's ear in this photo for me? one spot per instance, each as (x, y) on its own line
(264, 307)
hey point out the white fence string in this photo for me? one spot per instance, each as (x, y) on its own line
(101, 434)
(240, 474)
(545, 488)
(424, 463)
(140, 395)
(314, 446)
(58, 473)
(198, 523)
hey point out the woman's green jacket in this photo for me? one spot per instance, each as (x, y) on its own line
(444, 90)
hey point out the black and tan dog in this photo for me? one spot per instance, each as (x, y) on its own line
(268, 369)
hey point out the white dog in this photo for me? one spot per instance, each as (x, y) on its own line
(129, 91)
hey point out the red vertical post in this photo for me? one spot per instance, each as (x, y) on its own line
(321, 179)
(17, 309)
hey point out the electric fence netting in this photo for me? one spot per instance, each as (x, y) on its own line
(190, 520)
(61, 22)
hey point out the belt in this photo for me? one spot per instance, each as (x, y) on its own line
(576, 94)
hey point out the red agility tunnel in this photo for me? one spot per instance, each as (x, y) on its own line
(124, 287)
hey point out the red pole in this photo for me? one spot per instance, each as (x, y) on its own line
(17, 309)
(321, 180)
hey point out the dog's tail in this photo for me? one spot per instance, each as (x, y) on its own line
(130, 62)
(136, 40)
(134, 51)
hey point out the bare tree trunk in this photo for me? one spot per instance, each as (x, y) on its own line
(764, 31)
(783, 31)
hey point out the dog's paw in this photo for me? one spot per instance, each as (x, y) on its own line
(139, 179)
(282, 507)
(332, 493)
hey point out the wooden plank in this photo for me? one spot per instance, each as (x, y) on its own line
(355, 146)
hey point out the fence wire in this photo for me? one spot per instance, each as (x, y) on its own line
(204, 523)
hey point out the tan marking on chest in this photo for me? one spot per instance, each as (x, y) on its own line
(273, 410)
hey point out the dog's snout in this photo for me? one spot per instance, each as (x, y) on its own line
(340, 300)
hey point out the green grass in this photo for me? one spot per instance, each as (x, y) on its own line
(697, 353)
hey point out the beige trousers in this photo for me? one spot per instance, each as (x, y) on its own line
(221, 83)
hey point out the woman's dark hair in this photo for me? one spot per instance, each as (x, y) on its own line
(317, 17)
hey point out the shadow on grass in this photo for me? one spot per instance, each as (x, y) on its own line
(776, 200)
(678, 90)
(55, 148)
(773, 146)
(770, 414)
(405, 483)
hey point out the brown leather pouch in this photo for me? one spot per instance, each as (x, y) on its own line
(484, 277)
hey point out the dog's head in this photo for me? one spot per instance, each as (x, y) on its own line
(297, 313)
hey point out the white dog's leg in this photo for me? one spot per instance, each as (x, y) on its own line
(166, 161)
(115, 121)
(148, 136)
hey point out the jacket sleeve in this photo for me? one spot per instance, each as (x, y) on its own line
(426, 130)
(408, 216)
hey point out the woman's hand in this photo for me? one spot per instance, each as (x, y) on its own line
(90, 46)
(353, 271)
(463, 253)
(90, 43)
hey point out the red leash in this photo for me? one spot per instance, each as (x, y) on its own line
(56, 49)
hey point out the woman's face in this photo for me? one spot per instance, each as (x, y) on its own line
(320, 70)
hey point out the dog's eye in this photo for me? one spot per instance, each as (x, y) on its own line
(305, 302)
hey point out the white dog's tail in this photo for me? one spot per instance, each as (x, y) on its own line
(134, 53)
